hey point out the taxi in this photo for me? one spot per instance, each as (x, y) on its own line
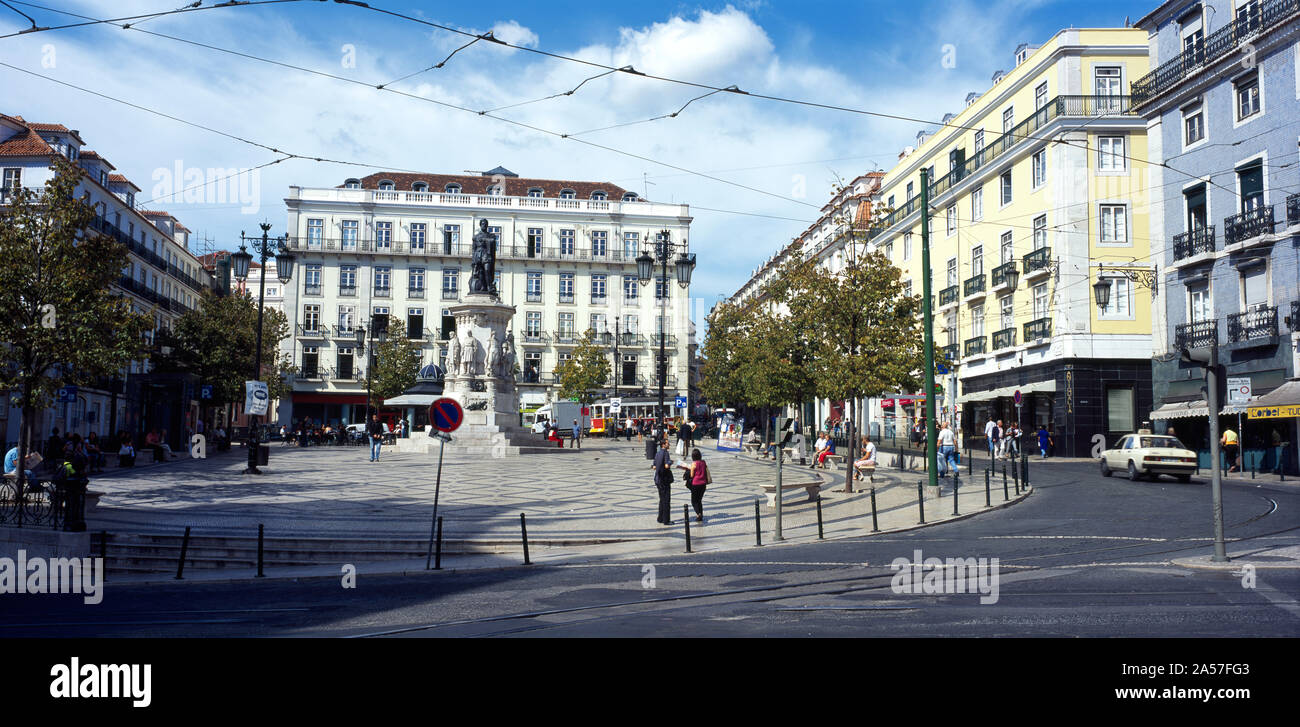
(1144, 453)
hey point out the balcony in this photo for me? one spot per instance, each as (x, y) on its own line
(950, 352)
(451, 294)
(307, 330)
(631, 300)
(1247, 225)
(598, 300)
(384, 292)
(415, 293)
(311, 289)
(1222, 44)
(567, 338)
(344, 373)
(347, 291)
(313, 373)
(1196, 242)
(534, 297)
(1252, 324)
(668, 340)
(1038, 330)
(1005, 338)
(1036, 263)
(1004, 276)
(535, 337)
(974, 287)
(948, 296)
(566, 298)
(1293, 210)
(347, 333)
(975, 346)
(1197, 334)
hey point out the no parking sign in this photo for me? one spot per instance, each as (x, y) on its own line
(446, 415)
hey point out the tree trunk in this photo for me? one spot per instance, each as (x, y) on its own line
(24, 424)
(849, 428)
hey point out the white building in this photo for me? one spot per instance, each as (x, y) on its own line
(400, 244)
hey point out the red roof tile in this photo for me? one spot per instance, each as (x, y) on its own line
(477, 184)
(25, 143)
(119, 179)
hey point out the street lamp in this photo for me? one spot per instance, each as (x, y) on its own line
(240, 263)
(1101, 292)
(685, 265)
(378, 333)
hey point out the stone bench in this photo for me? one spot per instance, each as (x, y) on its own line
(814, 489)
(751, 447)
(838, 459)
(868, 470)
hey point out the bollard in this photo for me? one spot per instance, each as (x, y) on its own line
(920, 499)
(1015, 478)
(820, 534)
(686, 520)
(970, 463)
(956, 484)
(875, 526)
(988, 501)
(1253, 467)
(1024, 471)
(1005, 496)
(758, 525)
(261, 533)
(437, 553)
(523, 527)
(185, 546)
(1004, 478)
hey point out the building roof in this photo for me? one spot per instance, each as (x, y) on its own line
(119, 179)
(25, 143)
(55, 127)
(88, 154)
(477, 184)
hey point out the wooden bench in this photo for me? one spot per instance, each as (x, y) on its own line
(814, 489)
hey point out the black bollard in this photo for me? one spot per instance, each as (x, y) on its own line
(1004, 478)
(758, 525)
(523, 527)
(820, 534)
(1024, 470)
(970, 463)
(1005, 496)
(920, 499)
(686, 520)
(261, 534)
(1254, 466)
(956, 484)
(1015, 477)
(988, 501)
(875, 526)
(437, 552)
(185, 546)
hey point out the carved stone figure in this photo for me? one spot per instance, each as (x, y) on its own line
(494, 356)
(453, 356)
(482, 277)
(469, 354)
(508, 359)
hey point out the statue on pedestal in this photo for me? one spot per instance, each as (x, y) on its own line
(453, 355)
(469, 355)
(482, 277)
(493, 358)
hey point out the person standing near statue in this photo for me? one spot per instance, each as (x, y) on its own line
(482, 277)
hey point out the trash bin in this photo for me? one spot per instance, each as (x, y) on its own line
(263, 454)
(650, 447)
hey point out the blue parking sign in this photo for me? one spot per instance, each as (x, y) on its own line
(68, 395)
(681, 402)
(205, 391)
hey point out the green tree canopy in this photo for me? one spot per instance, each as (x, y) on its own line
(397, 362)
(586, 373)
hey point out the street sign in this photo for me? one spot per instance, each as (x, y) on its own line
(68, 395)
(205, 391)
(616, 405)
(1285, 411)
(1239, 390)
(785, 425)
(1016, 396)
(681, 402)
(256, 398)
(941, 369)
(446, 415)
(440, 435)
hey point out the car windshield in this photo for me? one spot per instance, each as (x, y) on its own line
(1162, 442)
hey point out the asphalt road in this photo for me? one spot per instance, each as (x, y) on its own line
(1083, 556)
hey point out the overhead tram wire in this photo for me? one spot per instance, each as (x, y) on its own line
(192, 8)
(443, 62)
(673, 115)
(570, 92)
(179, 192)
(447, 104)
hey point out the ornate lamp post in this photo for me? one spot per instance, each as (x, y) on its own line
(684, 265)
(240, 262)
(378, 333)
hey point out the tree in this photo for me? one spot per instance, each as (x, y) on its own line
(397, 362)
(586, 373)
(720, 382)
(217, 342)
(62, 322)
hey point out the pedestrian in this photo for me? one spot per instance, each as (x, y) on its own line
(628, 427)
(376, 431)
(947, 441)
(683, 439)
(95, 453)
(1044, 439)
(995, 439)
(577, 436)
(54, 447)
(663, 482)
(1230, 448)
(697, 478)
(990, 441)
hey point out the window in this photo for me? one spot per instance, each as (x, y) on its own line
(1194, 200)
(1193, 125)
(348, 277)
(630, 324)
(1247, 90)
(889, 251)
(599, 196)
(566, 287)
(1040, 301)
(952, 271)
(907, 246)
(1006, 187)
(310, 362)
(977, 260)
(414, 323)
(1254, 288)
(533, 364)
(567, 244)
(1007, 248)
(1119, 409)
(1007, 304)
(979, 141)
(450, 281)
(386, 186)
(599, 243)
(535, 192)
(534, 239)
(1200, 306)
(452, 189)
(352, 184)
(349, 234)
(977, 321)
(450, 238)
(383, 278)
(598, 288)
(344, 363)
(952, 219)
(566, 325)
(661, 287)
(13, 179)
(495, 190)
(629, 197)
(311, 317)
(950, 327)
(631, 245)
(907, 289)
(347, 318)
(417, 235)
(315, 233)
(383, 235)
(415, 279)
(598, 322)
(1040, 168)
(420, 187)
(534, 323)
(1120, 305)
(1040, 96)
(568, 194)
(1250, 183)
(1114, 227)
(628, 377)
(977, 204)
(1106, 79)
(911, 192)
(495, 232)
(1110, 153)
(1008, 119)
(630, 286)
(534, 287)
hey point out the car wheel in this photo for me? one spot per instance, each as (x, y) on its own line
(1133, 473)
(1105, 468)
(1184, 478)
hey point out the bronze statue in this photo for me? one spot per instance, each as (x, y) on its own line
(482, 278)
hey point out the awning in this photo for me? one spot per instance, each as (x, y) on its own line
(1239, 407)
(1181, 410)
(1280, 403)
(1045, 387)
(412, 400)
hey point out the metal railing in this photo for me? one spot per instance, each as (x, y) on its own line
(669, 339)
(1038, 330)
(973, 285)
(342, 332)
(347, 291)
(383, 292)
(533, 297)
(415, 293)
(1197, 334)
(598, 300)
(566, 298)
(1251, 324)
(451, 295)
(1248, 224)
(567, 338)
(974, 346)
(948, 295)
(341, 374)
(1003, 273)
(1220, 44)
(1040, 259)
(311, 289)
(951, 352)
(1196, 242)
(535, 336)
(1005, 338)
(312, 332)
(1293, 209)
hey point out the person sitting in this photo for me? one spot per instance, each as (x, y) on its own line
(95, 453)
(11, 464)
(868, 457)
(166, 448)
(824, 446)
(126, 452)
(151, 441)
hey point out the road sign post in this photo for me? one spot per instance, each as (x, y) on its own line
(445, 415)
(1020, 432)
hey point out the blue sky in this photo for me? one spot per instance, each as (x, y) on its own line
(878, 56)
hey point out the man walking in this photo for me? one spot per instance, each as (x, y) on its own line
(577, 434)
(947, 450)
(376, 431)
(989, 426)
(664, 481)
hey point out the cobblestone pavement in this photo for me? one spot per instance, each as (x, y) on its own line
(600, 494)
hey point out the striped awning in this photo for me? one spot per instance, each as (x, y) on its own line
(1181, 410)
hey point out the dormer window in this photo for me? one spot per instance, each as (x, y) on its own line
(420, 187)
(352, 184)
(452, 189)
(568, 194)
(103, 178)
(130, 199)
(598, 195)
(387, 185)
(535, 192)
(629, 197)
(495, 190)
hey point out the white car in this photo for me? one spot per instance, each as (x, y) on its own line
(1150, 454)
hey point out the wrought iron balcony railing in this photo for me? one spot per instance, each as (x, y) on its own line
(1004, 274)
(306, 330)
(1038, 330)
(948, 295)
(975, 346)
(311, 289)
(974, 285)
(415, 293)
(1197, 334)
(566, 297)
(1293, 209)
(1248, 224)
(1196, 242)
(383, 292)
(530, 336)
(1038, 260)
(951, 352)
(451, 295)
(345, 332)
(347, 291)
(533, 297)
(1005, 338)
(1251, 324)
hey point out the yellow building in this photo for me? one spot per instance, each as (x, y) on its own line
(1038, 184)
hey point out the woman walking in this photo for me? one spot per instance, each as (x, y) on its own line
(697, 478)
